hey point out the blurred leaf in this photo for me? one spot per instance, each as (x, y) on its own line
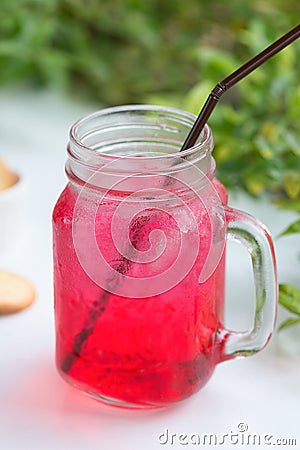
(292, 184)
(196, 97)
(288, 323)
(289, 298)
(216, 63)
(254, 185)
(292, 229)
(289, 204)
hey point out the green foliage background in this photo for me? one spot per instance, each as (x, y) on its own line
(173, 52)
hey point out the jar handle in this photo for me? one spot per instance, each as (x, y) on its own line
(246, 230)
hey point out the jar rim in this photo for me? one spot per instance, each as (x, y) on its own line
(203, 142)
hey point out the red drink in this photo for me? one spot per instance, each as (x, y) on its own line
(139, 261)
(148, 351)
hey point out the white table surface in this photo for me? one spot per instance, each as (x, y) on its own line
(38, 411)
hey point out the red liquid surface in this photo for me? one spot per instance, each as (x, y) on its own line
(140, 351)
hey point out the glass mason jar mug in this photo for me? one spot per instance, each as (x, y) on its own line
(139, 260)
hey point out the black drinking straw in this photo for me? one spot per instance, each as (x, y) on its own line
(124, 264)
(234, 78)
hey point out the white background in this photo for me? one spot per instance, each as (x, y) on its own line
(38, 411)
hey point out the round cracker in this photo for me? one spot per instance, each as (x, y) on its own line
(7, 177)
(16, 293)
